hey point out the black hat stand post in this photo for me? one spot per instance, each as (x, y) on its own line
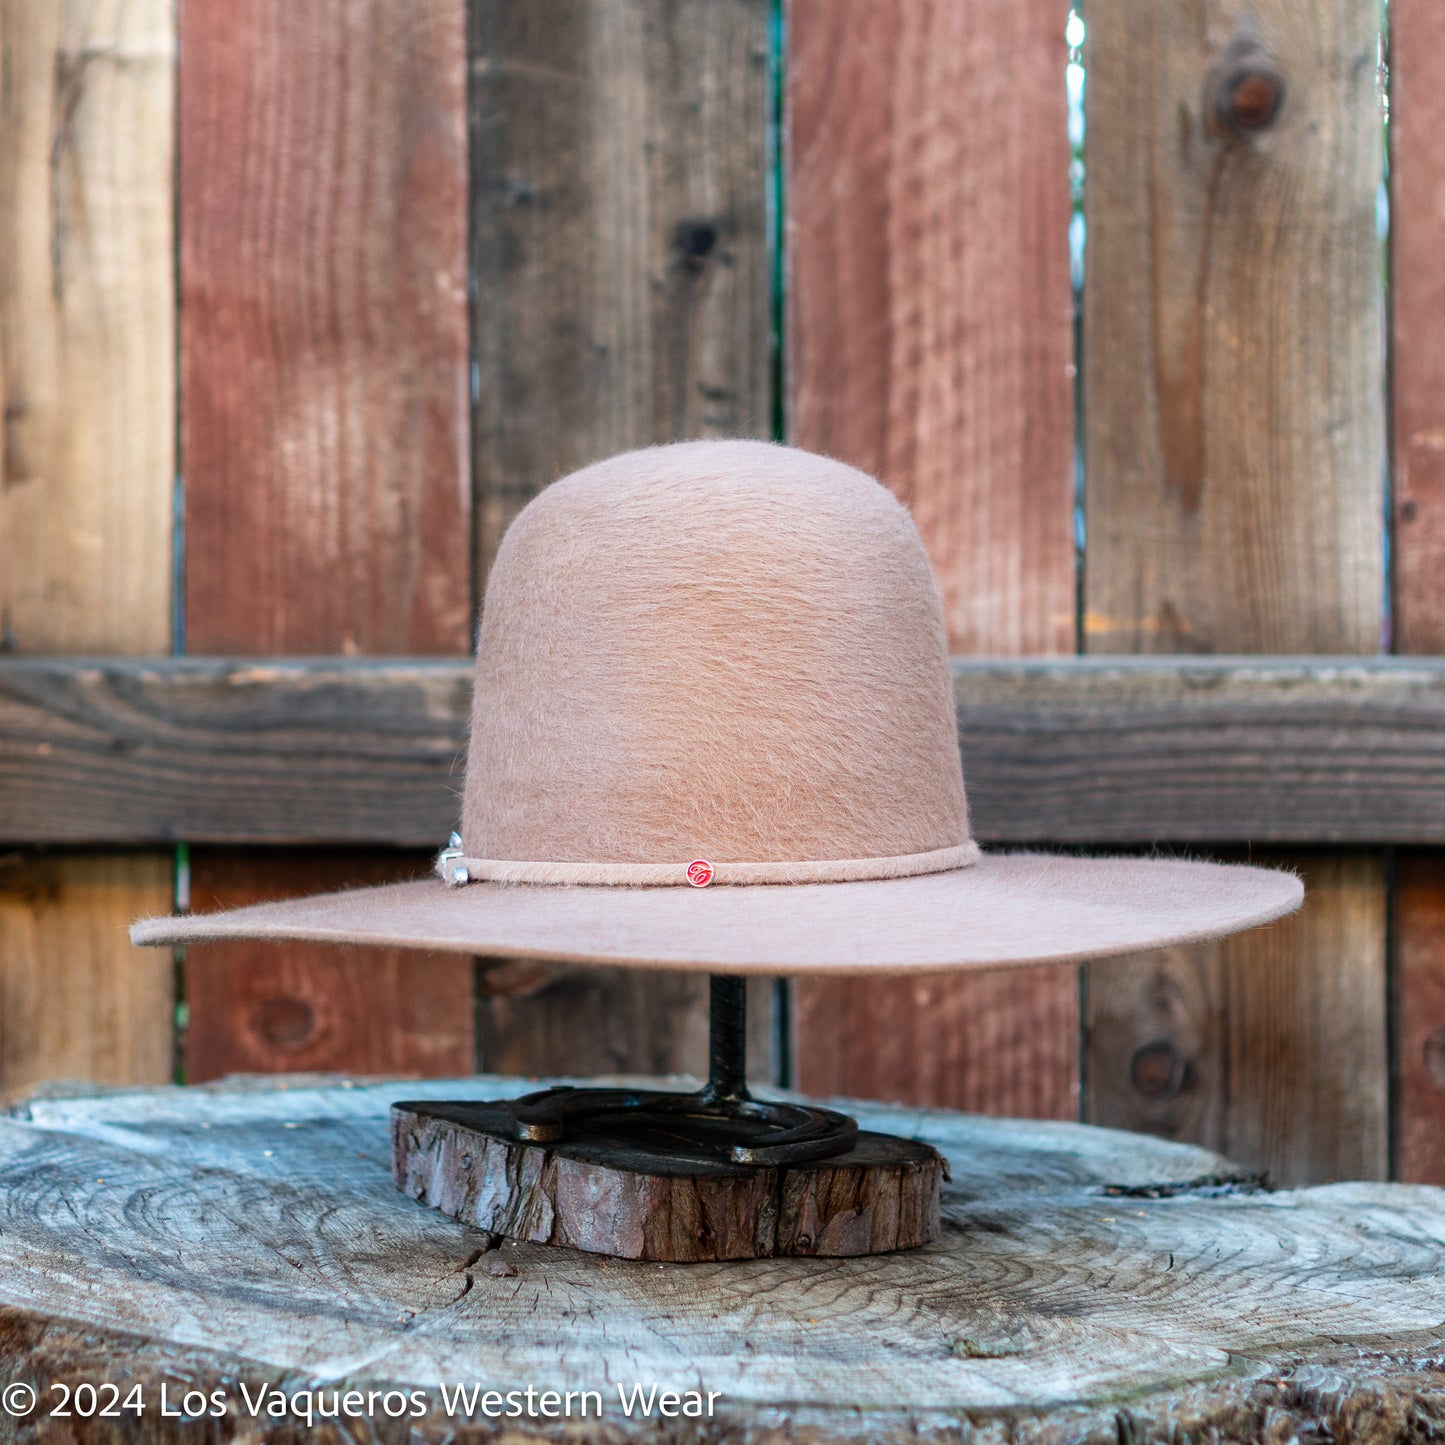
(722, 1122)
(651, 1174)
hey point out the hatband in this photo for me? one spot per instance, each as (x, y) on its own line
(455, 868)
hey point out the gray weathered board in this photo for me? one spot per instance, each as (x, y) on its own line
(1091, 750)
(1089, 1286)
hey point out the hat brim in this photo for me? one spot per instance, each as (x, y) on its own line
(1007, 910)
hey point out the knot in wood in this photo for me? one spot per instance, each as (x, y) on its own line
(1434, 1051)
(285, 1022)
(1248, 99)
(695, 239)
(1157, 1069)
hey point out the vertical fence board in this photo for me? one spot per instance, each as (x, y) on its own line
(606, 1021)
(324, 424)
(619, 192)
(1006, 1046)
(257, 1008)
(324, 380)
(1417, 280)
(1157, 1045)
(78, 1002)
(86, 327)
(1308, 1056)
(929, 342)
(1417, 284)
(86, 387)
(1292, 1016)
(1234, 437)
(1234, 426)
(1419, 988)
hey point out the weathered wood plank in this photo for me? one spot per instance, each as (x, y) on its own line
(315, 1268)
(1156, 1044)
(1008, 1043)
(1241, 1044)
(87, 465)
(929, 341)
(324, 438)
(87, 326)
(1233, 447)
(930, 314)
(1417, 321)
(1309, 1065)
(228, 750)
(76, 1000)
(256, 1007)
(324, 339)
(528, 1015)
(1114, 749)
(1417, 374)
(623, 289)
(619, 193)
(1419, 989)
(1234, 433)
(1086, 750)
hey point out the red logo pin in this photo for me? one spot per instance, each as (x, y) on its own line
(699, 872)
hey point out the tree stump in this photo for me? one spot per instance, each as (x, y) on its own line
(243, 1248)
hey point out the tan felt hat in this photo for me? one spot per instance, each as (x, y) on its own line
(713, 729)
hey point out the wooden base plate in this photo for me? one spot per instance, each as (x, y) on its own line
(609, 1189)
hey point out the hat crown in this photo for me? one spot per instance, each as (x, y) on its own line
(723, 650)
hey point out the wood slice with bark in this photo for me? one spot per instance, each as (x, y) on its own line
(1086, 1286)
(606, 1193)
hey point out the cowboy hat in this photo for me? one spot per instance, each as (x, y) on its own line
(713, 729)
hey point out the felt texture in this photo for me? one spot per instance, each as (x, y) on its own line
(724, 650)
(1008, 909)
(735, 651)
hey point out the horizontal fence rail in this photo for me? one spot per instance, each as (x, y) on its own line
(1075, 750)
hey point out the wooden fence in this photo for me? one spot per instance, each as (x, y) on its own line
(300, 302)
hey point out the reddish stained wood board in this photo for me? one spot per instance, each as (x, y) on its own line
(1006, 1042)
(1417, 284)
(1419, 988)
(324, 332)
(1417, 219)
(324, 435)
(929, 341)
(255, 1007)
